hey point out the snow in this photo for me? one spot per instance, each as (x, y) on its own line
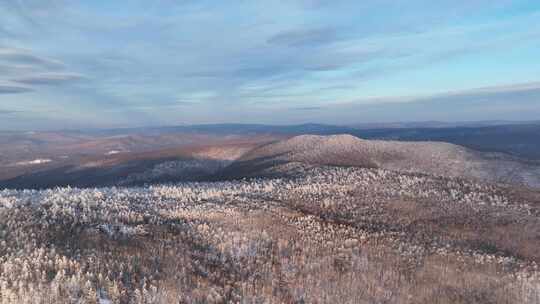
(113, 152)
(38, 161)
(435, 158)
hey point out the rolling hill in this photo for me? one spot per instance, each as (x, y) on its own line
(156, 156)
(434, 158)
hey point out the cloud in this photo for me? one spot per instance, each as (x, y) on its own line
(492, 93)
(13, 55)
(7, 112)
(304, 37)
(172, 104)
(501, 89)
(184, 103)
(307, 108)
(505, 102)
(29, 12)
(159, 106)
(318, 4)
(49, 79)
(12, 89)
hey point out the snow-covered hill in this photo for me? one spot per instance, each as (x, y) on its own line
(436, 158)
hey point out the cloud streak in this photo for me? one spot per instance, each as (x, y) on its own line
(307, 108)
(304, 37)
(13, 89)
(505, 102)
(49, 79)
(7, 112)
(19, 56)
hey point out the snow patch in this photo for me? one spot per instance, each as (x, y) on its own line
(104, 301)
(113, 152)
(38, 161)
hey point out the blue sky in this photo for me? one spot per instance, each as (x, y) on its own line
(76, 64)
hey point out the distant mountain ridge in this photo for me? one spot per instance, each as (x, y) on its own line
(518, 139)
(504, 153)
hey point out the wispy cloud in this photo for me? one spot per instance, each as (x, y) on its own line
(487, 94)
(19, 56)
(307, 108)
(304, 37)
(13, 89)
(515, 102)
(49, 79)
(7, 112)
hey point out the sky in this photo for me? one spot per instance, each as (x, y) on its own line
(100, 64)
